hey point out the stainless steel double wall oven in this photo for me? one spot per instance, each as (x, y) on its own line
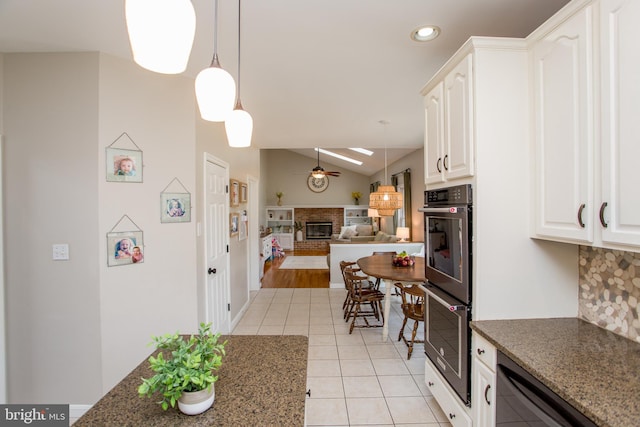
(448, 260)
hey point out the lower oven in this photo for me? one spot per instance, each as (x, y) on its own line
(447, 339)
(523, 400)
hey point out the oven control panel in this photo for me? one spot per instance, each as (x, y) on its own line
(457, 195)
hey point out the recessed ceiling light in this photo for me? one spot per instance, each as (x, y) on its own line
(425, 33)
(362, 151)
(339, 156)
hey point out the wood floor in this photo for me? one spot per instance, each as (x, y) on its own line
(276, 278)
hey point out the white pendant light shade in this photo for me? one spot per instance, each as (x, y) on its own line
(215, 92)
(161, 33)
(239, 127)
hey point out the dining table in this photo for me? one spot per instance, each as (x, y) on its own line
(381, 267)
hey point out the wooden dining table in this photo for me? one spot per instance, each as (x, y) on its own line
(380, 266)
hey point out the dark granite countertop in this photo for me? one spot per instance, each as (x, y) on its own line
(596, 371)
(262, 382)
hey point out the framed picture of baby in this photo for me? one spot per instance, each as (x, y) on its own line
(123, 165)
(175, 207)
(125, 248)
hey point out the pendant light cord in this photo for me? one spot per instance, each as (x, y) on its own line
(215, 29)
(239, 8)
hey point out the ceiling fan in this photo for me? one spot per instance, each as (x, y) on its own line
(319, 172)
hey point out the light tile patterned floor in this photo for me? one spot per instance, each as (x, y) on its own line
(355, 379)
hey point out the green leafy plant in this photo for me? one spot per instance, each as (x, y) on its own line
(356, 195)
(297, 225)
(183, 365)
(279, 194)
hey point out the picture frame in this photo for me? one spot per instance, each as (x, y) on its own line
(175, 207)
(234, 193)
(234, 223)
(242, 230)
(243, 192)
(124, 248)
(123, 165)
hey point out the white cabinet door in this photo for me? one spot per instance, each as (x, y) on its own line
(484, 395)
(620, 138)
(434, 135)
(449, 131)
(458, 118)
(563, 102)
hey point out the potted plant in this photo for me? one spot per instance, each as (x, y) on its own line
(279, 195)
(356, 197)
(184, 370)
(298, 226)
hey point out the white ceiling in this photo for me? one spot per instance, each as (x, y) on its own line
(315, 73)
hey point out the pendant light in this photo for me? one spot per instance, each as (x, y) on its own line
(386, 200)
(161, 33)
(239, 124)
(215, 88)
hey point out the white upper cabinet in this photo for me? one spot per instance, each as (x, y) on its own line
(563, 109)
(619, 211)
(586, 127)
(449, 125)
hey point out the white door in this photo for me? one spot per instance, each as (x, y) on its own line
(563, 100)
(458, 118)
(216, 245)
(434, 128)
(620, 125)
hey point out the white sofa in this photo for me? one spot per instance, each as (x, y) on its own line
(353, 251)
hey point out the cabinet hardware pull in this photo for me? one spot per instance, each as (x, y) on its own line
(452, 416)
(602, 221)
(212, 271)
(430, 384)
(486, 394)
(582, 206)
(438, 165)
(444, 163)
(308, 393)
(480, 351)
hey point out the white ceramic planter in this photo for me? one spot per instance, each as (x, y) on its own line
(196, 402)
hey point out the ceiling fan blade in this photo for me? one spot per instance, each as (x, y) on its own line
(332, 173)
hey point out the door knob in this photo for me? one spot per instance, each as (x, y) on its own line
(211, 271)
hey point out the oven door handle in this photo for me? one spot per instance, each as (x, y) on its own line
(451, 209)
(451, 307)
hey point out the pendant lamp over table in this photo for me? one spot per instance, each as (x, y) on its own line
(161, 33)
(239, 123)
(215, 87)
(386, 199)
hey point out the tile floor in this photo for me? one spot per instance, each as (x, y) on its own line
(355, 379)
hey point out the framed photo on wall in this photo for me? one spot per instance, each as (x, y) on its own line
(175, 207)
(125, 248)
(234, 192)
(123, 165)
(242, 231)
(243, 192)
(234, 223)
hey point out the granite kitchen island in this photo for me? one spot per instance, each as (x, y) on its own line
(262, 382)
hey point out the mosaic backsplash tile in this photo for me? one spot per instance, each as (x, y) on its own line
(610, 290)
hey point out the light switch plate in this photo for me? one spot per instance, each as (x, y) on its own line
(61, 252)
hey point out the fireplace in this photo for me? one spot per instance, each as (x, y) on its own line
(319, 230)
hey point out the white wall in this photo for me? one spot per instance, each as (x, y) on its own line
(160, 295)
(50, 110)
(75, 328)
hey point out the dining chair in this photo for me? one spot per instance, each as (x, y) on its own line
(360, 296)
(378, 280)
(413, 299)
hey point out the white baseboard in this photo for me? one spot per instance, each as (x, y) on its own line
(76, 411)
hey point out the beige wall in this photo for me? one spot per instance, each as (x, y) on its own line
(75, 328)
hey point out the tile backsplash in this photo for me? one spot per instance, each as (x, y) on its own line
(610, 290)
